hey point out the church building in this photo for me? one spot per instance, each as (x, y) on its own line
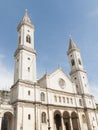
(53, 102)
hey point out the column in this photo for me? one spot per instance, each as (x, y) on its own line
(0, 122)
(62, 122)
(71, 126)
(78, 123)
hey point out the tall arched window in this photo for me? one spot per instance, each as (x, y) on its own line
(79, 61)
(29, 116)
(28, 39)
(72, 62)
(43, 117)
(19, 39)
(42, 96)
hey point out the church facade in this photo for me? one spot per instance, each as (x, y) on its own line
(55, 101)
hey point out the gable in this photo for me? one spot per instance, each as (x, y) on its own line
(57, 81)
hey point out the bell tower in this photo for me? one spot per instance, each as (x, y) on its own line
(23, 90)
(78, 73)
(25, 55)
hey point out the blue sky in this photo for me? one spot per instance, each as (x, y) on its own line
(55, 21)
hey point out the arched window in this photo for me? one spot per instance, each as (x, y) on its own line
(42, 96)
(28, 69)
(28, 39)
(19, 39)
(43, 117)
(72, 62)
(79, 61)
(29, 92)
(29, 116)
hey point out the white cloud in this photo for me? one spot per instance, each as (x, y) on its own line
(6, 75)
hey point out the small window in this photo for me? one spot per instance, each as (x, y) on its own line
(17, 60)
(28, 69)
(70, 55)
(42, 96)
(75, 78)
(55, 97)
(43, 117)
(59, 99)
(29, 92)
(29, 116)
(28, 58)
(71, 101)
(64, 99)
(80, 102)
(28, 39)
(67, 100)
(77, 89)
(72, 62)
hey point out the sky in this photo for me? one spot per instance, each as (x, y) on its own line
(54, 21)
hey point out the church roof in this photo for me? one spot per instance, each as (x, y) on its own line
(25, 21)
(72, 46)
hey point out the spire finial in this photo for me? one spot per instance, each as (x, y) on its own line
(70, 36)
(59, 66)
(26, 10)
(26, 17)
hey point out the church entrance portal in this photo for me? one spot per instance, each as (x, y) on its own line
(75, 121)
(7, 121)
(66, 119)
(57, 117)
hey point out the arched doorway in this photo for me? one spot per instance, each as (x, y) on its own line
(7, 121)
(57, 118)
(66, 119)
(75, 121)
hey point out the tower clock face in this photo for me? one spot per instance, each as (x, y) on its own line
(62, 83)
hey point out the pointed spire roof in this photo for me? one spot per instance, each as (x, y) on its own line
(26, 17)
(25, 21)
(72, 46)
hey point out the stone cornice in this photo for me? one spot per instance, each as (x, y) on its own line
(74, 71)
(25, 23)
(24, 82)
(22, 47)
(71, 50)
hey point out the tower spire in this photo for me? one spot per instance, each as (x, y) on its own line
(26, 17)
(25, 21)
(72, 46)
